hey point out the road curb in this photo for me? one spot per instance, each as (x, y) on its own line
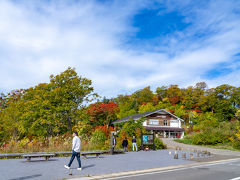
(128, 173)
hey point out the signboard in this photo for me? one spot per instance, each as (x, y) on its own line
(148, 139)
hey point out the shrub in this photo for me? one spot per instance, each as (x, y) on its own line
(106, 130)
(187, 140)
(236, 144)
(38, 144)
(159, 144)
(209, 136)
(97, 140)
(236, 139)
(84, 130)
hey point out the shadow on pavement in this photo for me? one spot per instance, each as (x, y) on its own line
(26, 177)
(39, 160)
(93, 157)
(85, 167)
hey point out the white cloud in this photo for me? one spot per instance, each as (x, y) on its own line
(37, 40)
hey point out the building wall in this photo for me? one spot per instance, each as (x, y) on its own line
(162, 120)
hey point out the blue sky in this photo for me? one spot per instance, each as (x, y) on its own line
(122, 46)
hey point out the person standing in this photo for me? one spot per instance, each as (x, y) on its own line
(134, 143)
(76, 146)
(125, 144)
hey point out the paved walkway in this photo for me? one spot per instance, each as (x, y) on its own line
(171, 144)
(39, 169)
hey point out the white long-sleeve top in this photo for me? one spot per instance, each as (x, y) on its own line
(76, 144)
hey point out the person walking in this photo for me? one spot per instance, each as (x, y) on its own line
(125, 144)
(76, 146)
(134, 143)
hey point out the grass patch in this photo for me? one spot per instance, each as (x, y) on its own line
(184, 141)
(227, 146)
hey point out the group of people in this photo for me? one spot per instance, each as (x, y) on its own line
(76, 147)
(134, 144)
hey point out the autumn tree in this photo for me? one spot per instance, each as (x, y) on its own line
(143, 95)
(102, 113)
(9, 114)
(70, 91)
(191, 97)
(46, 109)
(162, 92)
(174, 94)
(127, 105)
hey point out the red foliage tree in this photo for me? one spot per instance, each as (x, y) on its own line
(103, 113)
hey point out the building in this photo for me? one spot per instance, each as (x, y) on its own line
(161, 122)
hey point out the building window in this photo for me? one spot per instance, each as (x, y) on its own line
(162, 116)
(153, 122)
(165, 123)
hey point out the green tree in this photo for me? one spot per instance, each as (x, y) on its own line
(146, 107)
(70, 92)
(46, 109)
(143, 95)
(191, 97)
(162, 92)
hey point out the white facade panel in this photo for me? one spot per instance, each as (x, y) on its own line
(174, 123)
(145, 123)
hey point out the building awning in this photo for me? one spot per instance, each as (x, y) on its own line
(154, 128)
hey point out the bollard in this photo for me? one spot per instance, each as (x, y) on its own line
(184, 155)
(198, 154)
(70, 172)
(175, 155)
(191, 155)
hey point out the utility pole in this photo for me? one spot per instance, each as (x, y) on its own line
(112, 145)
(190, 122)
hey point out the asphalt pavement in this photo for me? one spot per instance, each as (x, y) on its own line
(215, 171)
(39, 169)
(171, 144)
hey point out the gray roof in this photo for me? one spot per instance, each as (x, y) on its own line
(138, 116)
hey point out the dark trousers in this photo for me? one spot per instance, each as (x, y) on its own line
(75, 154)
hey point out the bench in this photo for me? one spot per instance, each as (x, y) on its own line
(97, 153)
(11, 155)
(29, 156)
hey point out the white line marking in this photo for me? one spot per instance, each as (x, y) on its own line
(237, 178)
(171, 170)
